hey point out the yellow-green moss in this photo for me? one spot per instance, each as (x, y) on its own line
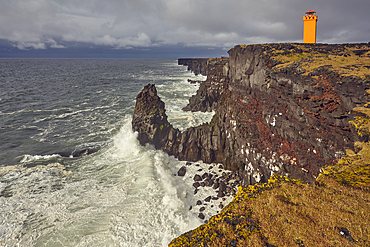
(342, 59)
(353, 169)
(350, 64)
(361, 124)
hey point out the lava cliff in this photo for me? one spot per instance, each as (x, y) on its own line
(196, 65)
(280, 109)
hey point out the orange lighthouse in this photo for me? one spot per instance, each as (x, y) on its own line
(309, 27)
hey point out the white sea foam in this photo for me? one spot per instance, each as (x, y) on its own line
(176, 96)
(124, 194)
(32, 158)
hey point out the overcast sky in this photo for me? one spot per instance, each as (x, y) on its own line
(166, 26)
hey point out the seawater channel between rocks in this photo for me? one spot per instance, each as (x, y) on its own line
(123, 194)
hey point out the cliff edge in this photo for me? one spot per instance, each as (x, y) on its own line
(283, 112)
(280, 109)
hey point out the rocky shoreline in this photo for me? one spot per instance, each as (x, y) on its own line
(150, 121)
(273, 115)
(213, 178)
(196, 65)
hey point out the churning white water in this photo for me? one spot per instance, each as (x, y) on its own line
(122, 195)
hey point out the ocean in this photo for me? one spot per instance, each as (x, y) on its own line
(72, 172)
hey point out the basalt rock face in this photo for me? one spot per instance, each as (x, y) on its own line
(209, 92)
(285, 121)
(270, 118)
(150, 120)
(196, 65)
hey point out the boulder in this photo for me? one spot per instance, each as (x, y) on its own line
(201, 216)
(197, 178)
(181, 171)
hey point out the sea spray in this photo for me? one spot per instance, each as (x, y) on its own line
(124, 194)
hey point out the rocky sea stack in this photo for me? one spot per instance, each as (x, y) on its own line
(282, 112)
(150, 120)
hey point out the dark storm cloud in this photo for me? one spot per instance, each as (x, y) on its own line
(127, 24)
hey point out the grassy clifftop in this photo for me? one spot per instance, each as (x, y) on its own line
(347, 59)
(335, 211)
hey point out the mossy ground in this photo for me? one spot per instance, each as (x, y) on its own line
(286, 212)
(361, 121)
(344, 60)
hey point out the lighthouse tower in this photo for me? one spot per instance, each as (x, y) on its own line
(309, 27)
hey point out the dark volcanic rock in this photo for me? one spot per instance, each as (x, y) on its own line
(345, 233)
(266, 119)
(215, 185)
(222, 187)
(196, 184)
(201, 216)
(270, 245)
(234, 243)
(220, 194)
(193, 81)
(181, 171)
(208, 94)
(78, 152)
(150, 120)
(196, 65)
(208, 182)
(197, 178)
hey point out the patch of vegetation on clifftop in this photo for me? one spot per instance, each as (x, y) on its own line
(345, 60)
